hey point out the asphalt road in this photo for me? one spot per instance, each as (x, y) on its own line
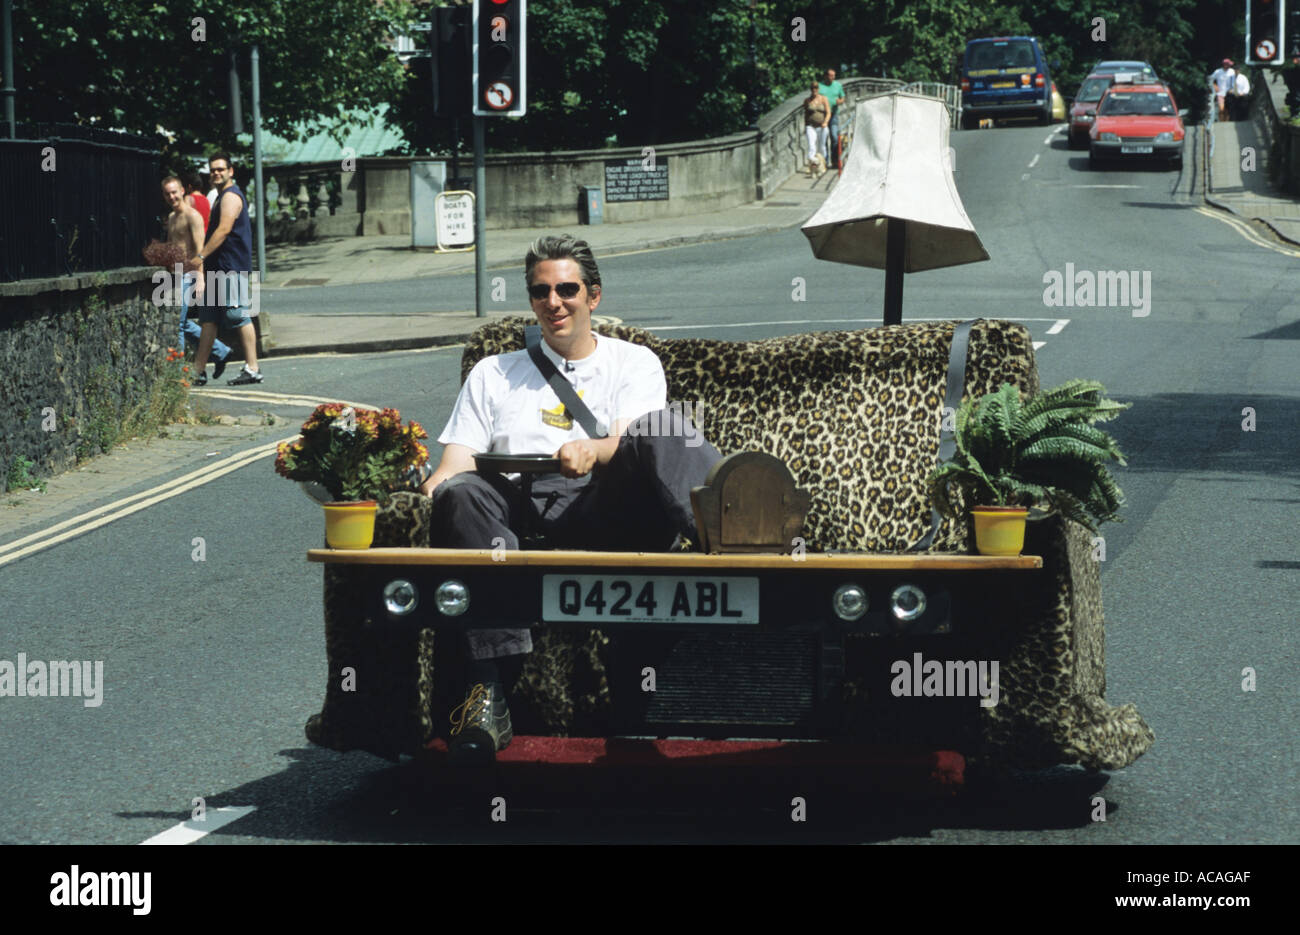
(211, 667)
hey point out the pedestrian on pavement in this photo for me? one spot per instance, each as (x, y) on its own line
(613, 491)
(228, 256)
(1239, 98)
(817, 115)
(1223, 79)
(197, 200)
(833, 91)
(185, 229)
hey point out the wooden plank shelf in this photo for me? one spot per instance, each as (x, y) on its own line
(562, 558)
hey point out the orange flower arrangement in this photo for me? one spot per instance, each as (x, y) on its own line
(355, 454)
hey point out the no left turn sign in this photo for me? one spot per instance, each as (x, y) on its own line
(1265, 50)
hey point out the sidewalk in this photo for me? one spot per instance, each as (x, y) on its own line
(1247, 194)
(354, 260)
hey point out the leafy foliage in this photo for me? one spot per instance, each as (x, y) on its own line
(1046, 450)
(354, 454)
(147, 66)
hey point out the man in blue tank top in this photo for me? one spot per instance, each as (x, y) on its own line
(225, 263)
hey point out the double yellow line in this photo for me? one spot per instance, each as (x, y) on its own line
(102, 516)
(86, 522)
(1246, 230)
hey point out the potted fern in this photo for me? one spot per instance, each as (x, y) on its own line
(1044, 452)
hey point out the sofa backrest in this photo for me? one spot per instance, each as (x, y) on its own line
(855, 414)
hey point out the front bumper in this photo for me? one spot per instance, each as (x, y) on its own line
(1116, 150)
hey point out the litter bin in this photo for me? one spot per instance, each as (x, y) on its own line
(592, 209)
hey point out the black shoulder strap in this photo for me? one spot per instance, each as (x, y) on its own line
(951, 400)
(563, 388)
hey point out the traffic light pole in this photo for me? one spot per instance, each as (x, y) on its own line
(480, 221)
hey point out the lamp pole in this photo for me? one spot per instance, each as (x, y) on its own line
(9, 89)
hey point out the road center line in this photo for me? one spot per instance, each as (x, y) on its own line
(187, 832)
(1059, 326)
(1033, 162)
(1038, 344)
(1051, 136)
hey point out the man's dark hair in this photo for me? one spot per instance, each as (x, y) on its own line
(224, 157)
(190, 181)
(563, 247)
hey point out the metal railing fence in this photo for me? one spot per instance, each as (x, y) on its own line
(75, 199)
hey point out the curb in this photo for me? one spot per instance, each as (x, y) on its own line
(371, 347)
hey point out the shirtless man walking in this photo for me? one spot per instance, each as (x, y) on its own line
(185, 229)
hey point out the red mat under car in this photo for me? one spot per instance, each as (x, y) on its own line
(938, 770)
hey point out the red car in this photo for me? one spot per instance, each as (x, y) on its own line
(1084, 109)
(1137, 121)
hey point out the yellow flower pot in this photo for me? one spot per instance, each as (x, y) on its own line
(999, 530)
(350, 525)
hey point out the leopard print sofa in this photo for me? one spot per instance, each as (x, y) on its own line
(855, 416)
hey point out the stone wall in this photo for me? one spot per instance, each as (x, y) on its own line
(78, 354)
(544, 189)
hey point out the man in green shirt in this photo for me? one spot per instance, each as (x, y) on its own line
(834, 92)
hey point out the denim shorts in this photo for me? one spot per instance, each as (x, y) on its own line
(230, 301)
(234, 316)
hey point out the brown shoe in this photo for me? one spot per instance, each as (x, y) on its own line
(480, 725)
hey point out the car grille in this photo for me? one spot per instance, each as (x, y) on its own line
(1137, 139)
(718, 679)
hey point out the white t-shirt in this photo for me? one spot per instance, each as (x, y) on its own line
(1223, 79)
(1243, 84)
(507, 406)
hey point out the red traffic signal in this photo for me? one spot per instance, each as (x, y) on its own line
(499, 58)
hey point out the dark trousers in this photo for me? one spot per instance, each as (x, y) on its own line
(639, 502)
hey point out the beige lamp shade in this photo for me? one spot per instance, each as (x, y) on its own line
(898, 168)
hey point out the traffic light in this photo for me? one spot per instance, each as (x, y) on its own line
(499, 57)
(1264, 32)
(1293, 31)
(452, 95)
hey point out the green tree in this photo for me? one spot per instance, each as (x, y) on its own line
(141, 65)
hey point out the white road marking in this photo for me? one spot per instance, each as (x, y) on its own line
(1051, 136)
(259, 396)
(1105, 186)
(405, 350)
(813, 321)
(1038, 344)
(1033, 162)
(187, 832)
(1025, 176)
(1059, 326)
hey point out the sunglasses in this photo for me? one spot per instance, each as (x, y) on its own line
(565, 290)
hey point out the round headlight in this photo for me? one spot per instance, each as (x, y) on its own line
(907, 602)
(1108, 137)
(400, 597)
(452, 598)
(1166, 137)
(850, 602)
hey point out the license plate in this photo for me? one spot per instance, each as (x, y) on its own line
(649, 599)
(1136, 149)
(1004, 84)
